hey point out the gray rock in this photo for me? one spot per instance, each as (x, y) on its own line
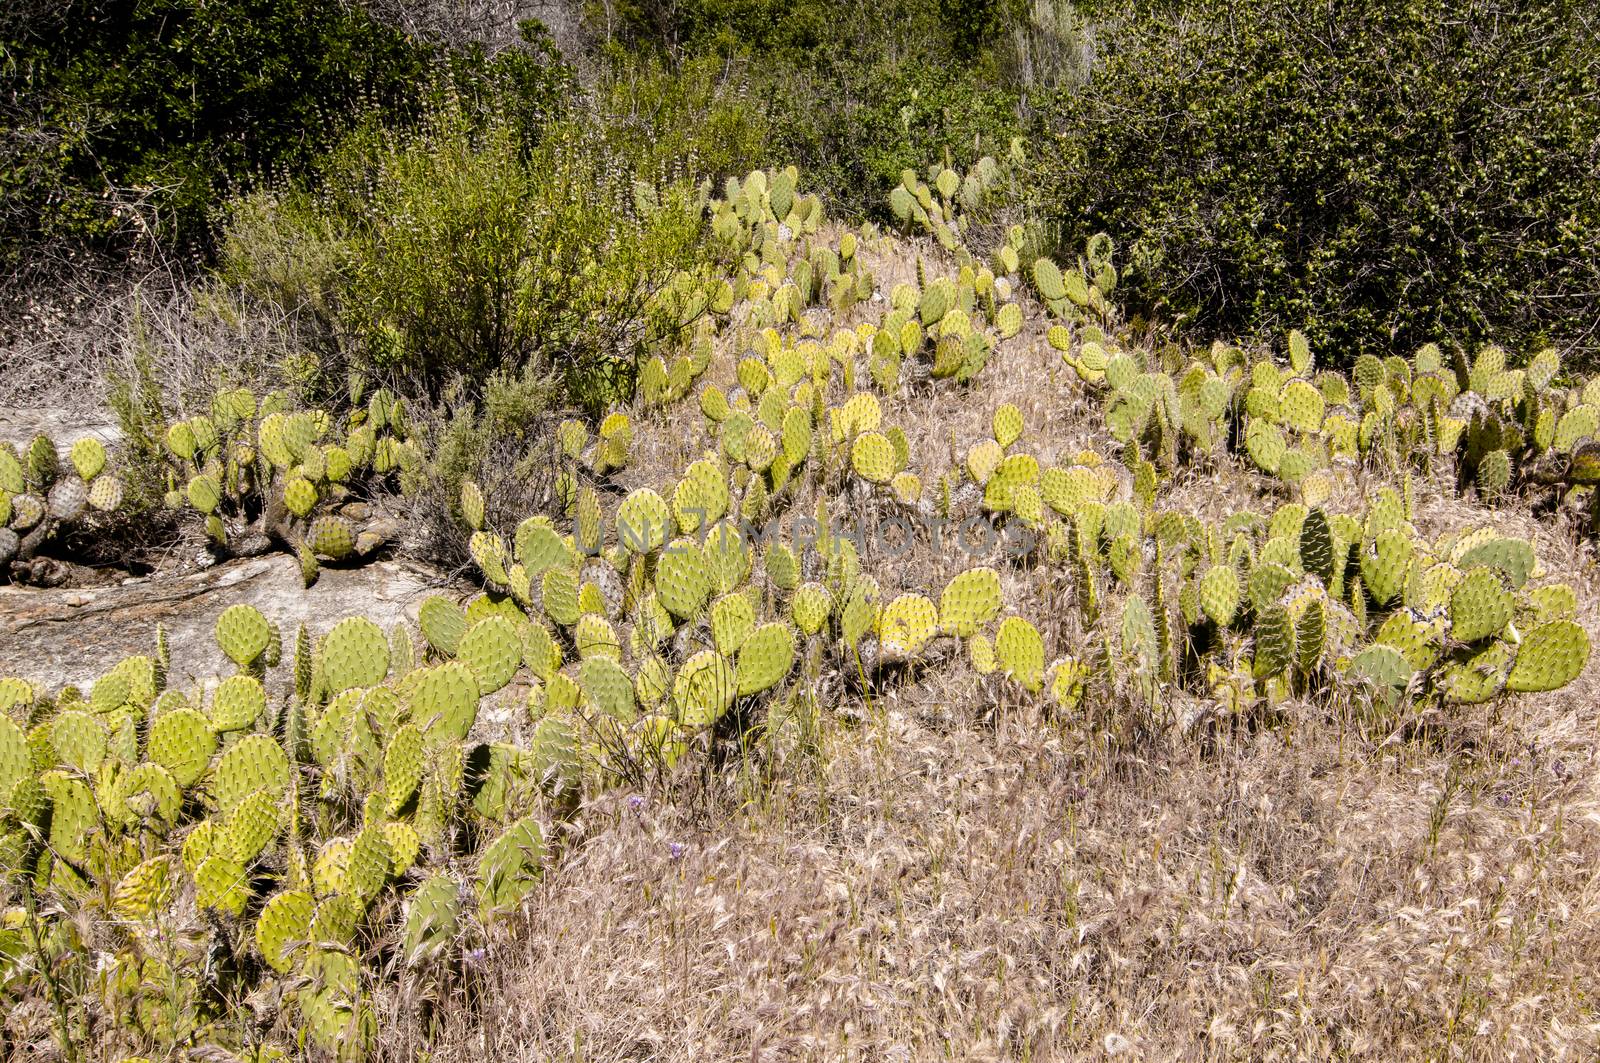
(56, 637)
(19, 424)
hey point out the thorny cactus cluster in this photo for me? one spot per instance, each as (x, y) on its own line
(219, 830)
(1499, 429)
(945, 205)
(255, 474)
(219, 843)
(263, 474)
(39, 497)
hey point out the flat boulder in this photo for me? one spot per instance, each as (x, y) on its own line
(58, 636)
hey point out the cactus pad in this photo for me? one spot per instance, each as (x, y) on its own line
(243, 633)
(182, 742)
(354, 654)
(238, 702)
(284, 928)
(969, 601)
(511, 866)
(1480, 606)
(704, 689)
(255, 762)
(1020, 652)
(906, 625)
(644, 521)
(444, 702)
(608, 688)
(872, 457)
(433, 919)
(331, 537)
(493, 649)
(1550, 656)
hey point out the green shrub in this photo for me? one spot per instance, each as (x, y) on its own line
(699, 120)
(851, 94)
(1382, 174)
(457, 249)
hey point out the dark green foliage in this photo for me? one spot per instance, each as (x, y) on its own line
(132, 115)
(851, 94)
(1379, 173)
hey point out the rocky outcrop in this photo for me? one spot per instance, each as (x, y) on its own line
(58, 636)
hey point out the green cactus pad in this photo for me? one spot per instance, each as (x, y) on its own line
(644, 521)
(1383, 665)
(906, 625)
(1385, 563)
(255, 762)
(332, 537)
(144, 890)
(1513, 557)
(1550, 657)
(444, 702)
(872, 458)
(433, 919)
(811, 607)
(1020, 651)
(1480, 606)
(969, 601)
(243, 633)
(238, 702)
(88, 458)
(510, 867)
(443, 624)
(15, 764)
(251, 826)
(492, 557)
(354, 654)
(182, 742)
(764, 658)
(403, 763)
(493, 649)
(222, 884)
(704, 689)
(560, 592)
(539, 547)
(608, 688)
(369, 864)
(1220, 593)
(683, 579)
(1068, 679)
(283, 929)
(1477, 677)
(1007, 425)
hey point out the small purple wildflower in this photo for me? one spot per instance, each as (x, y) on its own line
(676, 850)
(636, 802)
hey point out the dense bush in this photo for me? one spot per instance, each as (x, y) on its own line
(852, 94)
(1380, 173)
(457, 249)
(132, 115)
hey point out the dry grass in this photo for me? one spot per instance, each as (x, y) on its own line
(64, 342)
(948, 875)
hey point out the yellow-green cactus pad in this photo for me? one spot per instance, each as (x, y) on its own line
(704, 689)
(354, 654)
(1020, 651)
(969, 601)
(1551, 656)
(764, 658)
(493, 649)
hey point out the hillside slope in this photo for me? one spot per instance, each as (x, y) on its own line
(1131, 701)
(948, 874)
